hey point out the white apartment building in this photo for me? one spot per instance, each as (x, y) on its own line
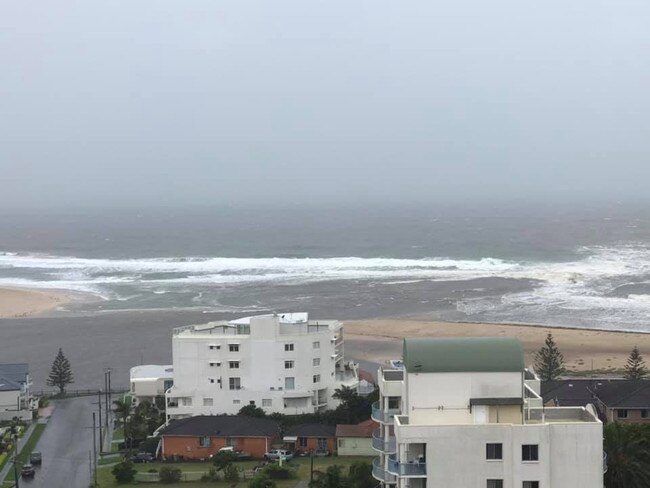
(149, 381)
(464, 413)
(15, 394)
(281, 363)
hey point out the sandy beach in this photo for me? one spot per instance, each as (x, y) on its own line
(19, 302)
(583, 349)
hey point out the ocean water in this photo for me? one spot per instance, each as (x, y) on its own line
(570, 265)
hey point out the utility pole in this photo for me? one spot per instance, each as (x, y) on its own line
(106, 395)
(101, 444)
(94, 450)
(311, 473)
(16, 477)
(110, 396)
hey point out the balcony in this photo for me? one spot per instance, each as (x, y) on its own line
(414, 468)
(382, 445)
(383, 416)
(604, 462)
(380, 474)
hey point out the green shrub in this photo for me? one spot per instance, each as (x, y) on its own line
(231, 473)
(124, 472)
(211, 475)
(262, 481)
(277, 472)
(169, 475)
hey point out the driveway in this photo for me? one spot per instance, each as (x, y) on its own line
(65, 445)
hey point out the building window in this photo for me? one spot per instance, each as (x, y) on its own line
(322, 444)
(233, 364)
(341, 443)
(236, 402)
(530, 452)
(316, 361)
(393, 403)
(289, 383)
(621, 414)
(530, 484)
(288, 365)
(204, 441)
(494, 483)
(234, 383)
(316, 345)
(233, 347)
(214, 346)
(208, 402)
(644, 414)
(316, 378)
(267, 402)
(211, 380)
(168, 384)
(231, 441)
(288, 347)
(302, 442)
(186, 401)
(494, 451)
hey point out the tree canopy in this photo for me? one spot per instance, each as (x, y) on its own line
(635, 369)
(61, 373)
(549, 361)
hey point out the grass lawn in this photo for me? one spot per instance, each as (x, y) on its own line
(23, 456)
(106, 479)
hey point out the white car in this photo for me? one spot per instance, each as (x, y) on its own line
(275, 454)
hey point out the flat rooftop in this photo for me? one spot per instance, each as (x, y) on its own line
(242, 325)
(151, 371)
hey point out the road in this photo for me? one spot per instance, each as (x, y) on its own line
(65, 445)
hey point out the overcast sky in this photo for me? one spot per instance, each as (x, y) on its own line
(212, 101)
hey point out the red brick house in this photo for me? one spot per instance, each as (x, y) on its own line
(305, 438)
(202, 436)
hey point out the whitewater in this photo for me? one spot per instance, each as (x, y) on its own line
(606, 286)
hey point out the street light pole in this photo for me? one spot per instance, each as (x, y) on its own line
(101, 444)
(94, 450)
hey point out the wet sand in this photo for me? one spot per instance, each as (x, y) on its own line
(20, 302)
(583, 349)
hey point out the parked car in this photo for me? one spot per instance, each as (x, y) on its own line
(241, 455)
(35, 458)
(28, 471)
(142, 457)
(276, 454)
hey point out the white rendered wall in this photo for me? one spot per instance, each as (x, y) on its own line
(443, 398)
(570, 455)
(262, 369)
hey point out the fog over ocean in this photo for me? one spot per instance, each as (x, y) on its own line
(586, 267)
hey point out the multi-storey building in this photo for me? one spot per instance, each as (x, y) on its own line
(150, 381)
(281, 363)
(465, 413)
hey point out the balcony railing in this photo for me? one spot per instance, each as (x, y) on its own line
(406, 469)
(382, 445)
(604, 462)
(384, 416)
(379, 473)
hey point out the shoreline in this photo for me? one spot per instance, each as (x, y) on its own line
(17, 302)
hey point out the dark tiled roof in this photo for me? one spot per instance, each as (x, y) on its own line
(612, 393)
(363, 429)
(16, 372)
(223, 426)
(311, 430)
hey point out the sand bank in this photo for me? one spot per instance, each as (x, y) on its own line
(18, 302)
(583, 349)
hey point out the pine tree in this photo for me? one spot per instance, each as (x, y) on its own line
(635, 368)
(61, 373)
(549, 361)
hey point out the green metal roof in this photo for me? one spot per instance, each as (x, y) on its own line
(469, 354)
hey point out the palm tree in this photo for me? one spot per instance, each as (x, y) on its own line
(122, 409)
(628, 455)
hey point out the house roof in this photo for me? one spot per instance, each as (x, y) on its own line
(311, 430)
(612, 393)
(16, 372)
(222, 426)
(463, 354)
(363, 429)
(6, 384)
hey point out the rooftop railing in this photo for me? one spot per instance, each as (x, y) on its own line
(379, 473)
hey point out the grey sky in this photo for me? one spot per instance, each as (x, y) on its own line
(201, 101)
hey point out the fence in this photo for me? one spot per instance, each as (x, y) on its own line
(143, 477)
(76, 393)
